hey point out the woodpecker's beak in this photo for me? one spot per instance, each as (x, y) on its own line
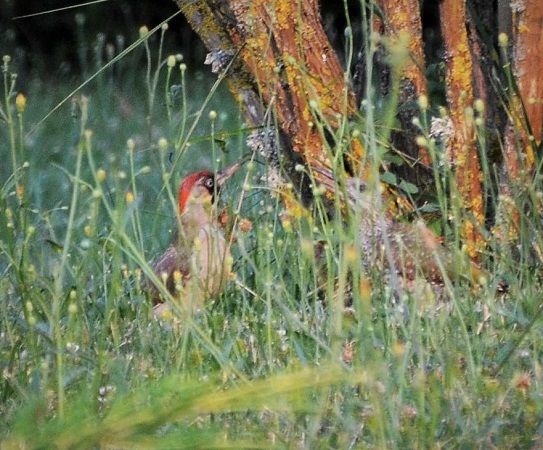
(227, 172)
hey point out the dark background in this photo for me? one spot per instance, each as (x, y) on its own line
(61, 43)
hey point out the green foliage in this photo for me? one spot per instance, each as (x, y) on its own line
(277, 361)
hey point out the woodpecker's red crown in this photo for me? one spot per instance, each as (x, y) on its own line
(204, 179)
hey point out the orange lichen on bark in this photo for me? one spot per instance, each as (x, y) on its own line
(284, 46)
(523, 131)
(213, 23)
(526, 112)
(528, 64)
(461, 148)
(404, 16)
(401, 23)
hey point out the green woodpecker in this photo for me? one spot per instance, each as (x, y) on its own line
(197, 265)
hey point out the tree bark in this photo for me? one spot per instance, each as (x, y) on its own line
(461, 147)
(526, 104)
(523, 131)
(404, 17)
(528, 66)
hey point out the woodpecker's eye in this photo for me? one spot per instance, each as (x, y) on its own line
(356, 185)
(209, 183)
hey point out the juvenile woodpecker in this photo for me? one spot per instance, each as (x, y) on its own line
(409, 252)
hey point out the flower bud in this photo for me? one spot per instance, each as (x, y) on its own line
(144, 31)
(20, 103)
(423, 102)
(421, 141)
(101, 175)
(162, 144)
(479, 106)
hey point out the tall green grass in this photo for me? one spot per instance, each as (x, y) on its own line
(88, 197)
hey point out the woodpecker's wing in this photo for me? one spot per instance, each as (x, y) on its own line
(164, 266)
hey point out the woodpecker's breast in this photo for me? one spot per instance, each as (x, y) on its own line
(211, 260)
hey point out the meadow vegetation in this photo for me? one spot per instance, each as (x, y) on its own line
(87, 198)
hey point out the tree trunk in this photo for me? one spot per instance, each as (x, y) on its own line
(404, 17)
(524, 65)
(526, 103)
(528, 67)
(461, 147)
